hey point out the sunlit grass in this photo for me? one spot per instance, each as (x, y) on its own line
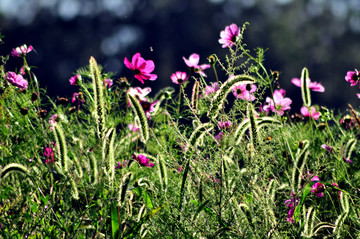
(114, 163)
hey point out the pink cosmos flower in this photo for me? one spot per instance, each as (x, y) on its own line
(21, 50)
(348, 160)
(17, 80)
(312, 85)
(327, 147)
(142, 68)
(224, 124)
(22, 70)
(243, 91)
(279, 104)
(292, 203)
(49, 154)
(133, 127)
(318, 188)
(336, 185)
(148, 107)
(193, 62)
(108, 83)
(352, 77)
(118, 166)
(229, 36)
(139, 93)
(212, 89)
(75, 80)
(219, 136)
(311, 114)
(78, 96)
(143, 160)
(179, 77)
(52, 121)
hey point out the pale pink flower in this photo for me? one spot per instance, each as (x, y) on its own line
(212, 89)
(21, 50)
(108, 83)
(179, 77)
(279, 104)
(193, 63)
(22, 70)
(243, 91)
(229, 36)
(314, 86)
(52, 121)
(17, 80)
(142, 68)
(139, 93)
(133, 127)
(311, 114)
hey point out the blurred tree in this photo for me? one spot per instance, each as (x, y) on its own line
(319, 34)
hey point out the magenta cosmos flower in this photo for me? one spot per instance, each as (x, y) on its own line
(243, 91)
(229, 36)
(327, 148)
(143, 160)
(108, 82)
(21, 50)
(312, 85)
(17, 80)
(179, 77)
(352, 77)
(225, 124)
(279, 104)
(142, 68)
(292, 203)
(78, 96)
(75, 80)
(310, 113)
(49, 154)
(318, 188)
(193, 63)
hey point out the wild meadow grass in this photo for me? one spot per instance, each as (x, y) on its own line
(210, 157)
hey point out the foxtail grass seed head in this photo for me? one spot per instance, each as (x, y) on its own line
(195, 97)
(305, 89)
(219, 98)
(99, 104)
(12, 167)
(140, 114)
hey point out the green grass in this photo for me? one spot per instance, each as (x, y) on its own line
(203, 184)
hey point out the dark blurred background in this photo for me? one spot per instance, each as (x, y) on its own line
(322, 35)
